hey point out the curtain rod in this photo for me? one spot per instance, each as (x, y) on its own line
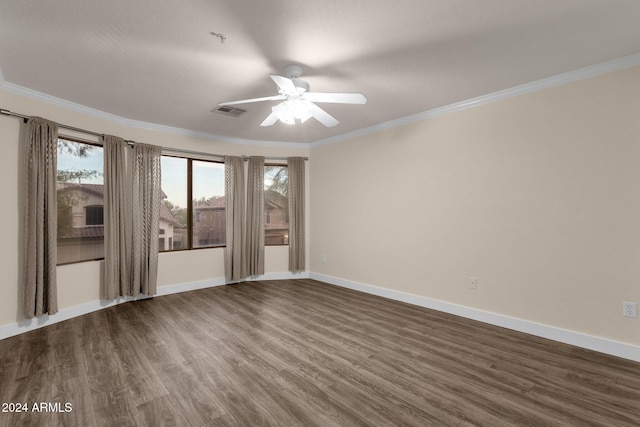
(101, 135)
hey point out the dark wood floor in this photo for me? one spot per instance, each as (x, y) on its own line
(304, 353)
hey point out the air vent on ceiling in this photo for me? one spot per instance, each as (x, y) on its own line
(229, 111)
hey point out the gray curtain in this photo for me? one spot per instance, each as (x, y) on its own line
(255, 217)
(40, 218)
(116, 215)
(295, 166)
(145, 218)
(234, 190)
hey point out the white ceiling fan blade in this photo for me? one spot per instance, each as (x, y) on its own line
(284, 83)
(322, 116)
(341, 98)
(246, 101)
(270, 120)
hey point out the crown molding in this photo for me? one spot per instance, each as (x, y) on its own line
(549, 82)
(53, 100)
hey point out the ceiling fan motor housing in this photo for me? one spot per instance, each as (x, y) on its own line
(293, 71)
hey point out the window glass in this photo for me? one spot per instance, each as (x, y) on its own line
(209, 221)
(94, 215)
(276, 205)
(173, 208)
(80, 195)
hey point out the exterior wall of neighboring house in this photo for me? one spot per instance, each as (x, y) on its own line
(209, 223)
(180, 239)
(166, 233)
(74, 199)
(82, 237)
(276, 219)
(276, 215)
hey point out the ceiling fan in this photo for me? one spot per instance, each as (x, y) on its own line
(298, 102)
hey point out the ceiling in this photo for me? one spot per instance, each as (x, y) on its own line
(156, 62)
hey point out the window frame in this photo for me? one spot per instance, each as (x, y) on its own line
(190, 218)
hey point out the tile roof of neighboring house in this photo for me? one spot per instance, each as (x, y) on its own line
(217, 203)
(276, 227)
(272, 198)
(88, 232)
(97, 189)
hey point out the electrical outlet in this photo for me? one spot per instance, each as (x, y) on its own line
(324, 259)
(473, 283)
(630, 309)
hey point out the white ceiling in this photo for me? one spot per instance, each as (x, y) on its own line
(156, 62)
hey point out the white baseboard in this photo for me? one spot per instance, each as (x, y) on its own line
(190, 286)
(603, 345)
(287, 275)
(27, 325)
(578, 339)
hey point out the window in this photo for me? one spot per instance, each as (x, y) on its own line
(276, 205)
(80, 194)
(192, 214)
(94, 215)
(208, 204)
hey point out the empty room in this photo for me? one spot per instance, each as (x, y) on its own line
(329, 213)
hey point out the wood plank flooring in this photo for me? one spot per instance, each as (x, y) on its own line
(304, 353)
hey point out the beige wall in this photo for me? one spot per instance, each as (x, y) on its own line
(80, 283)
(537, 196)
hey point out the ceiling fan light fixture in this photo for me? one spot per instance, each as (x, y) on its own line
(283, 113)
(292, 109)
(299, 108)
